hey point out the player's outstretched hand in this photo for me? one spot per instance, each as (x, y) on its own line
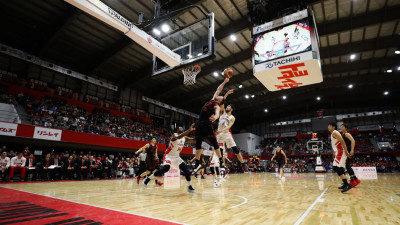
(213, 118)
(230, 92)
(226, 80)
(192, 127)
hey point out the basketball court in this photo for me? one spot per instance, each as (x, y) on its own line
(132, 76)
(242, 199)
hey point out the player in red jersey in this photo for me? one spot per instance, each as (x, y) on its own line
(151, 157)
(204, 127)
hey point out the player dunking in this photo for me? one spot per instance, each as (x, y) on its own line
(151, 156)
(204, 127)
(340, 154)
(279, 154)
(224, 135)
(350, 144)
(171, 156)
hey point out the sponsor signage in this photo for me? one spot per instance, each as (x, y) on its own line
(281, 21)
(366, 173)
(8, 129)
(47, 134)
(289, 76)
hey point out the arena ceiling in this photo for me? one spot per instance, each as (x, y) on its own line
(59, 32)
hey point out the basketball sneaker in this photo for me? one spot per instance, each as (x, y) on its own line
(353, 183)
(191, 189)
(202, 177)
(217, 182)
(356, 182)
(341, 187)
(346, 188)
(159, 183)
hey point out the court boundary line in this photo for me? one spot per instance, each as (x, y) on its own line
(244, 202)
(116, 210)
(310, 208)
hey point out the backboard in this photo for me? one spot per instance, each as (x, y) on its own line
(194, 42)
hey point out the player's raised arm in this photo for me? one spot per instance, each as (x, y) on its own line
(174, 137)
(225, 96)
(220, 88)
(142, 149)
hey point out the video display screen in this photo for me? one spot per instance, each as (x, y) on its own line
(281, 42)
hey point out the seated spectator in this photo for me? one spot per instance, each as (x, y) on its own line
(5, 164)
(18, 164)
(68, 168)
(57, 171)
(93, 167)
(82, 168)
(106, 167)
(31, 167)
(47, 171)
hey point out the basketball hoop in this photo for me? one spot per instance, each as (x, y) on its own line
(189, 74)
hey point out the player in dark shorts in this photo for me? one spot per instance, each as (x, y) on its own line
(279, 155)
(204, 127)
(151, 150)
(350, 144)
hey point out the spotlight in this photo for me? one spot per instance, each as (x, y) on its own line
(352, 56)
(318, 98)
(252, 96)
(215, 74)
(240, 86)
(350, 86)
(385, 93)
(389, 71)
(233, 37)
(165, 28)
(397, 52)
(246, 96)
(156, 31)
(284, 97)
(265, 110)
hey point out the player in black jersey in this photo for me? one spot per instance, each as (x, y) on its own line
(151, 156)
(279, 155)
(204, 127)
(350, 144)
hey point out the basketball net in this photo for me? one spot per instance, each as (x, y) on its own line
(189, 74)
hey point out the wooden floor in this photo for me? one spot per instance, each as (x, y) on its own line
(242, 199)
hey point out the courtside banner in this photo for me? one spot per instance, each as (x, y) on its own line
(47, 134)
(366, 173)
(8, 129)
(289, 72)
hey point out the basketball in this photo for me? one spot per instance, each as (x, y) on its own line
(228, 73)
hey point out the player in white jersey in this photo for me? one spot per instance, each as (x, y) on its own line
(340, 154)
(172, 156)
(224, 135)
(5, 163)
